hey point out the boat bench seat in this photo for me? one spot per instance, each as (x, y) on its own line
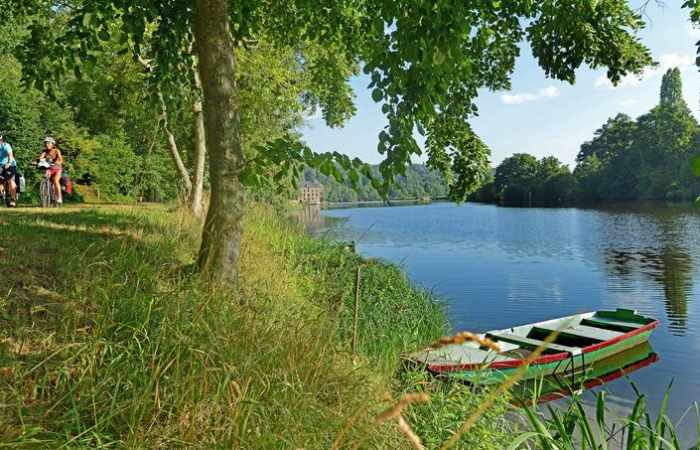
(618, 323)
(598, 334)
(509, 337)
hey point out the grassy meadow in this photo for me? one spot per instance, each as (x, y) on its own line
(109, 340)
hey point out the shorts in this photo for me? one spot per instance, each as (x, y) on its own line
(10, 173)
(54, 171)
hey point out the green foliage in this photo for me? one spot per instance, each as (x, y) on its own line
(105, 125)
(589, 176)
(650, 158)
(450, 404)
(522, 180)
(20, 113)
(574, 428)
(515, 178)
(615, 136)
(671, 88)
(426, 71)
(516, 173)
(418, 182)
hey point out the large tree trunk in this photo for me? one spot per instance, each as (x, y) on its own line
(200, 147)
(221, 237)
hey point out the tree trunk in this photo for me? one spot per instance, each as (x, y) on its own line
(172, 145)
(200, 148)
(221, 237)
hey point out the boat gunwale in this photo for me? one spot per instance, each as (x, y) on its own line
(546, 359)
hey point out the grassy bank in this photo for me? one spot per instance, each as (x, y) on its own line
(107, 339)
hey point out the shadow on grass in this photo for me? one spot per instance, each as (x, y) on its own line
(124, 218)
(48, 259)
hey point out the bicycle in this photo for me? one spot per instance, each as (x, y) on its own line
(5, 194)
(47, 190)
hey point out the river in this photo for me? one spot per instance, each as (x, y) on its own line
(498, 267)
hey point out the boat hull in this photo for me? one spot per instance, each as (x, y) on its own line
(565, 346)
(565, 364)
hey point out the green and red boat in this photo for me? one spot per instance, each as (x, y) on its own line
(581, 340)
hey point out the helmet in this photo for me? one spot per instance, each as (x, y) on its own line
(49, 140)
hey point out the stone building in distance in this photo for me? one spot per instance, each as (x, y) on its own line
(311, 193)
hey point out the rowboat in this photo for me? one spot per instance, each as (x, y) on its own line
(579, 341)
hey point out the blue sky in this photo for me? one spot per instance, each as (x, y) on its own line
(538, 115)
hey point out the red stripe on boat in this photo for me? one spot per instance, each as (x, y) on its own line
(510, 364)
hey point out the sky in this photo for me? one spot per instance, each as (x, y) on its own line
(538, 115)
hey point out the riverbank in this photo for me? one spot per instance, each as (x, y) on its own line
(107, 339)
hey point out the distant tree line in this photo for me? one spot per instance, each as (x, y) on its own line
(418, 182)
(644, 159)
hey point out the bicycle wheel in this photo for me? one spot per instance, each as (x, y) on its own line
(54, 197)
(45, 193)
(6, 194)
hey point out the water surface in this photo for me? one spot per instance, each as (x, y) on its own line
(499, 267)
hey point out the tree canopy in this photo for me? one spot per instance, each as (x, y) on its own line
(426, 60)
(522, 180)
(671, 87)
(648, 158)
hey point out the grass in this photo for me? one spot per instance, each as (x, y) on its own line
(573, 428)
(108, 340)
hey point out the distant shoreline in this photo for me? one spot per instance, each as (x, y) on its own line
(370, 203)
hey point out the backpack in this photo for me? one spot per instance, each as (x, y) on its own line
(3, 146)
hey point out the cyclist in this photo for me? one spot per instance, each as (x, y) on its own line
(8, 169)
(53, 155)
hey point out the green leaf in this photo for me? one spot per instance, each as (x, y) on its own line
(377, 95)
(600, 418)
(438, 57)
(695, 165)
(522, 439)
(104, 34)
(87, 20)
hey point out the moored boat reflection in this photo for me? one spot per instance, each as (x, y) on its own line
(565, 384)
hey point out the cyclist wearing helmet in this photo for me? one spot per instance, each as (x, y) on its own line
(53, 155)
(8, 168)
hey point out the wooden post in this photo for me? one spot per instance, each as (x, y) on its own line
(357, 307)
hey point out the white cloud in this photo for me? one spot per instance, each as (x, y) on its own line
(628, 102)
(667, 61)
(549, 91)
(670, 60)
(516, 99)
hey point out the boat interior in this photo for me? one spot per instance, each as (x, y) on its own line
(574, 334)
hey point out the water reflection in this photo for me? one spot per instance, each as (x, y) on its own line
(599, 373)
(669, 267)
(309, 216)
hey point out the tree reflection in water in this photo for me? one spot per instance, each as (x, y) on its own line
(669, 266)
